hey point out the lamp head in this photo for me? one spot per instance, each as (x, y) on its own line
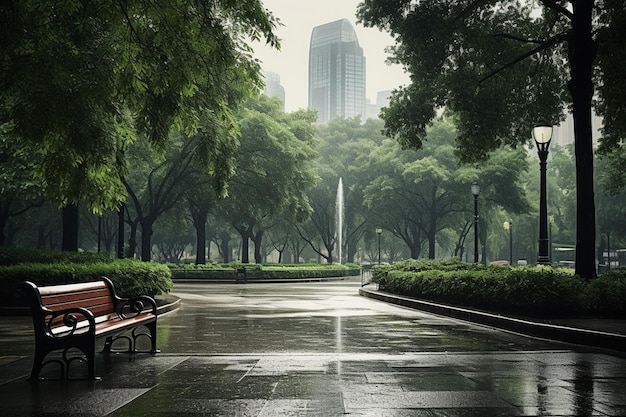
(379, 230)
(475, 189)
(542, 132)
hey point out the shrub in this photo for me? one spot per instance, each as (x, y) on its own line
(130, 277)
(520, 290)
(10, 255)
(607, 293)
(270, 271)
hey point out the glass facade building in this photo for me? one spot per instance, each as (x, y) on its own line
(336, 72)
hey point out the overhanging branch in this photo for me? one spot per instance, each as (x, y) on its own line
(542, 46)
(552, 4)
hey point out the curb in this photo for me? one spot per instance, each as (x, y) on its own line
(170, 303)
(259, 281)
(594, 338)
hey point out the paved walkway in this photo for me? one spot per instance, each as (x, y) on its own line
(319, 349)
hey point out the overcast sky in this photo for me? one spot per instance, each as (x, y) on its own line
(299, 17)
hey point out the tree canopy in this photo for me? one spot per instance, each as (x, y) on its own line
(274, 171)
(502, 66)
(82, 79)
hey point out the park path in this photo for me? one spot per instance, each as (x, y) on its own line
(319, 349)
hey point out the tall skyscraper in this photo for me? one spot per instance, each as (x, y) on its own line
(273, 88)
(336, 72)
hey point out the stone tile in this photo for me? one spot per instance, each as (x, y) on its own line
(319, 350)
(425, 399)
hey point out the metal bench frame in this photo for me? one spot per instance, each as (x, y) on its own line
(71, 316)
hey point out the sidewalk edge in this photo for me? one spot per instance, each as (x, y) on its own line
(594, 338)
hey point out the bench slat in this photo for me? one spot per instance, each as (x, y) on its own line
(65, 288)
(88, 303)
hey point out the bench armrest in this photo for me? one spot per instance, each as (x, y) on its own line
(133, 307)
(70, 319)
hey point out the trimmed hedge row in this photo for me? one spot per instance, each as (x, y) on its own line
(535, 291)
(131, 277)
(10, 255)
(265, 271)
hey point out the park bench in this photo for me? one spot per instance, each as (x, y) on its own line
(70, 317)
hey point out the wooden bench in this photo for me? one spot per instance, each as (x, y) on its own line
(71, 316)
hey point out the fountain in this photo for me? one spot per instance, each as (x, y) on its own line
(339, 217)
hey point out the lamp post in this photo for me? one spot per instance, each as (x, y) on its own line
(542, 133)
(509, 226)
(475, 191)
(379, 231)
(608, 250)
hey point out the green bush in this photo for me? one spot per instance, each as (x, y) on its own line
(607, 293)
(537, 291)
(270, 271)
(10, 255)
(130, 277)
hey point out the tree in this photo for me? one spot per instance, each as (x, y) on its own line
(158, 186)
(320, 231)
(417, 194)
(82, 79)
(200, 204)
(19, 191)
(342, 143)
(501, 66)
(172, 235)
(274, 171)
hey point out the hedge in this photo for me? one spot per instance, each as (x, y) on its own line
(535, 291)
(264, 271)
(131, 277)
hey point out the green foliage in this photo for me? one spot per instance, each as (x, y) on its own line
(10, 255)
(532, 291)
(264, 271)
(415, 194)
(274, 170)
(499, 67)
(607, 293)
(131, 277)
(80, 80)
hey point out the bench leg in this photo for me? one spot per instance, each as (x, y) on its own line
(66, 361)
(152, 327)
(90, 355)
(37, 364)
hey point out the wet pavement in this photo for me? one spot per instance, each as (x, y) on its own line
(318, 349)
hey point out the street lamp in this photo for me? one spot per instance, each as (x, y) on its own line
(380, 232)
(542, 133)
(475, 191)
(509, 226)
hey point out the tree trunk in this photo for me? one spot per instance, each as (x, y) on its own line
(146, 240)
(415, 244)
(245, 242)
(199, 222)
(120, 232)
(69, 215)
(257, 239)
(582, 50)
(4, 218)
(225, 247)
(132, 239)
(432, 231)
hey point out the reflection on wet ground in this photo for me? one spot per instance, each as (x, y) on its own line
(318, 349)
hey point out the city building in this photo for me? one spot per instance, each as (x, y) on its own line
(336, 72)
(273, 88)
(372, 110)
